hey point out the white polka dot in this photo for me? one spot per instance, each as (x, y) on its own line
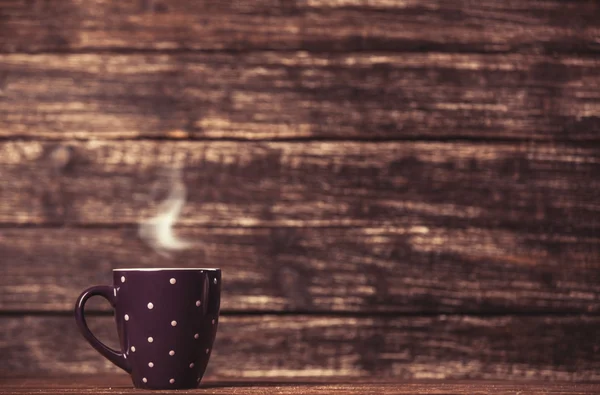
(196, 336)
(115, 291)
(126, 317)
(215, 281)
(122, 279)
(207, 350)
(173, 323)
(150, 306)
(191, 365)
(172, 281)
(132, 348)
(151, 364)
(172, 381)
(145, 380)
(213, 322)
(124, 356)
(198, 303)
(171, 353)
(150, 339)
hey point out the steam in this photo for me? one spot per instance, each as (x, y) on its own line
(157, 231)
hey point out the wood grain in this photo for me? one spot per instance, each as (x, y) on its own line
(479, 200)
(120, 384)
(275, 96)
(549, 190)
(414, 269)
(316, 25)
(440, 347)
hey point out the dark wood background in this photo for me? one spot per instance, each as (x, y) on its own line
(392, 188)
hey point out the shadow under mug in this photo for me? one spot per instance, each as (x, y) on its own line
(166, 320)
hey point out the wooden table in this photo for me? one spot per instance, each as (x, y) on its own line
(120, 384)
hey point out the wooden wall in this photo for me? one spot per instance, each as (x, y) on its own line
(392, 188)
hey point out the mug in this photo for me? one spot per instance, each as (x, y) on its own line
(166, 320)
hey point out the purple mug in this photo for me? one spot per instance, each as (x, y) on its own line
(166, 320)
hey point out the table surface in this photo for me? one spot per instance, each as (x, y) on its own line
(120, 384)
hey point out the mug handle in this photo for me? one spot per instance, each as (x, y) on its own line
(108, 293)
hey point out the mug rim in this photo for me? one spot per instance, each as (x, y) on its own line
(157, 269)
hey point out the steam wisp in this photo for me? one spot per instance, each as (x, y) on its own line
(158, 231)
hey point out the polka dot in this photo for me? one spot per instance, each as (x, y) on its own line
(122, 279)
(213, 322)
(150, 306)
(126, 317)
(173, 323)
(198, 303)
(191, 365)
(115, 291)
(132, 349)
(215, 281)
(207, 350)
(196, 336)
(151, 364)
(172, 281)
(172, 381)
(145, 380)
(150, 339)
(171, 353)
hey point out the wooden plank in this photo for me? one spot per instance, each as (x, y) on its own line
(270, 96)
(551, 190)
(316, 25)
(120, 384)
(412, 269)
(443, 347)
